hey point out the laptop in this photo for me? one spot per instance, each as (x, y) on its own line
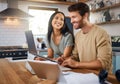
(48, 70)
(33, 52)
(45, 69)
(31, 45)
(30, 42)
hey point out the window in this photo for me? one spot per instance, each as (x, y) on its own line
(39, 23)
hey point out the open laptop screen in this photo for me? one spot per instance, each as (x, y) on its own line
(30, 41)
(31, 45)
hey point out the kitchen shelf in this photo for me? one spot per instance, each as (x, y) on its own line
(55, 1)
(51, 2)
(83, 0)
(106, 7)
(109, 22)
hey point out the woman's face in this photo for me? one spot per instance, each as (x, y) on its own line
(58, 21)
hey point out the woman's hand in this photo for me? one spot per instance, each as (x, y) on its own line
(60, 60)
(39, 58)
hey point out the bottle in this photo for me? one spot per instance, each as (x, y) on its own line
(43, 46)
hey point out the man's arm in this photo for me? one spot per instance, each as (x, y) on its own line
(96, 64)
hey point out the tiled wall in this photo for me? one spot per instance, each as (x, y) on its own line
(11, 35)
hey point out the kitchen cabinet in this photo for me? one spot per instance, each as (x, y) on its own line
(116, 61)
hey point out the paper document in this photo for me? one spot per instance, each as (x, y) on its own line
(79, 78)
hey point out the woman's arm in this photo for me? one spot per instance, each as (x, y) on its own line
(67, 52)
(50, 53)
(69, 46)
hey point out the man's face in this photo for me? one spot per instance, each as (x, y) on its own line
(76, 19)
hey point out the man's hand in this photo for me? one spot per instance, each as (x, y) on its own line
(70, 63)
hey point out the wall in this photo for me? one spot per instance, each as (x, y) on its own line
(12, 35)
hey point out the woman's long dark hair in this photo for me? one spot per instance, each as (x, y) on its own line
(50, 27)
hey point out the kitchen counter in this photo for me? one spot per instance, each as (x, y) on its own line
(116, 60)
(16, 73)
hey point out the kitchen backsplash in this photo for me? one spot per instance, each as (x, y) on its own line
(12, 35)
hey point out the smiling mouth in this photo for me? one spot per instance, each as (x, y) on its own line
(74, 24)
(58, 24)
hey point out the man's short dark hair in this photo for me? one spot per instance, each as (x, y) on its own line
(81, 7)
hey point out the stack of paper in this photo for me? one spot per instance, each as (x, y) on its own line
(78, 78)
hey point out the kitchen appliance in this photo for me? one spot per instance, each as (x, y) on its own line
(15, 52)
(13, 11)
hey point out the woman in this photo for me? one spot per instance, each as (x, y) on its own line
(59, 38)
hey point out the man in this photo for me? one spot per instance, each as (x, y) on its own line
(92, 44)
